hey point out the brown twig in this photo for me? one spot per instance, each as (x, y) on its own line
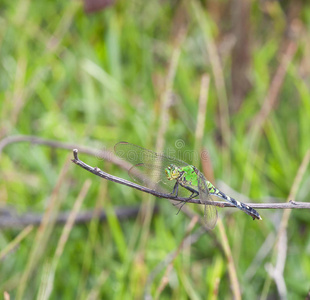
(40, 141)
(188, 240)
(13, 244)
(43, 233)
(102, 154)
(272, 96)
(280, 248)
(46, 285)
(96, 171)
(166, 97)
(271, 100)
(202, 110)
(217, 69)
(235, 286)
(164, 279)
(11, 220)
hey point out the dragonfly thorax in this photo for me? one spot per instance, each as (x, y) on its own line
(173, 172)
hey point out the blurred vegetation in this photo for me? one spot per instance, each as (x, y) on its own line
(134, 72)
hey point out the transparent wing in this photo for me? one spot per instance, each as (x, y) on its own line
(137, 155)
(149, 167)
(153, 178)
(210, 211)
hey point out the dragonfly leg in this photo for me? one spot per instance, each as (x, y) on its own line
(194, 194)
(175, 190)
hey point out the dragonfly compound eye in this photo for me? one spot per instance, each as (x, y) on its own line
(168, 173)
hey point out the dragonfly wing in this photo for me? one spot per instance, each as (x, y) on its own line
(147, 175)
(210, 211)
(137, 155)
(149, 167)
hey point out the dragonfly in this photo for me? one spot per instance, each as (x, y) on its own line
(163, 174)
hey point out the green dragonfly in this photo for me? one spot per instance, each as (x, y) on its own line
(162, 174)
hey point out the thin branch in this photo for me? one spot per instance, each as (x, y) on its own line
(96, 171)
(272, 96)
(51, 143)
(165, 278)
(280, 248)
(15, 243)
(235, 285)
(107, 155)
(11, 220)
(188, 240)
(202, 110)
(217, 69)
(166, 98)
(45, 289)
(100, 154)
(43, 233)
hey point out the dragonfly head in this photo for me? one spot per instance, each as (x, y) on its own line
(172, 172)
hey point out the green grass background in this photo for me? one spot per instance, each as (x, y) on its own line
(97, 79)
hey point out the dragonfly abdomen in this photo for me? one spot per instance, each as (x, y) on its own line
(247, 209)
